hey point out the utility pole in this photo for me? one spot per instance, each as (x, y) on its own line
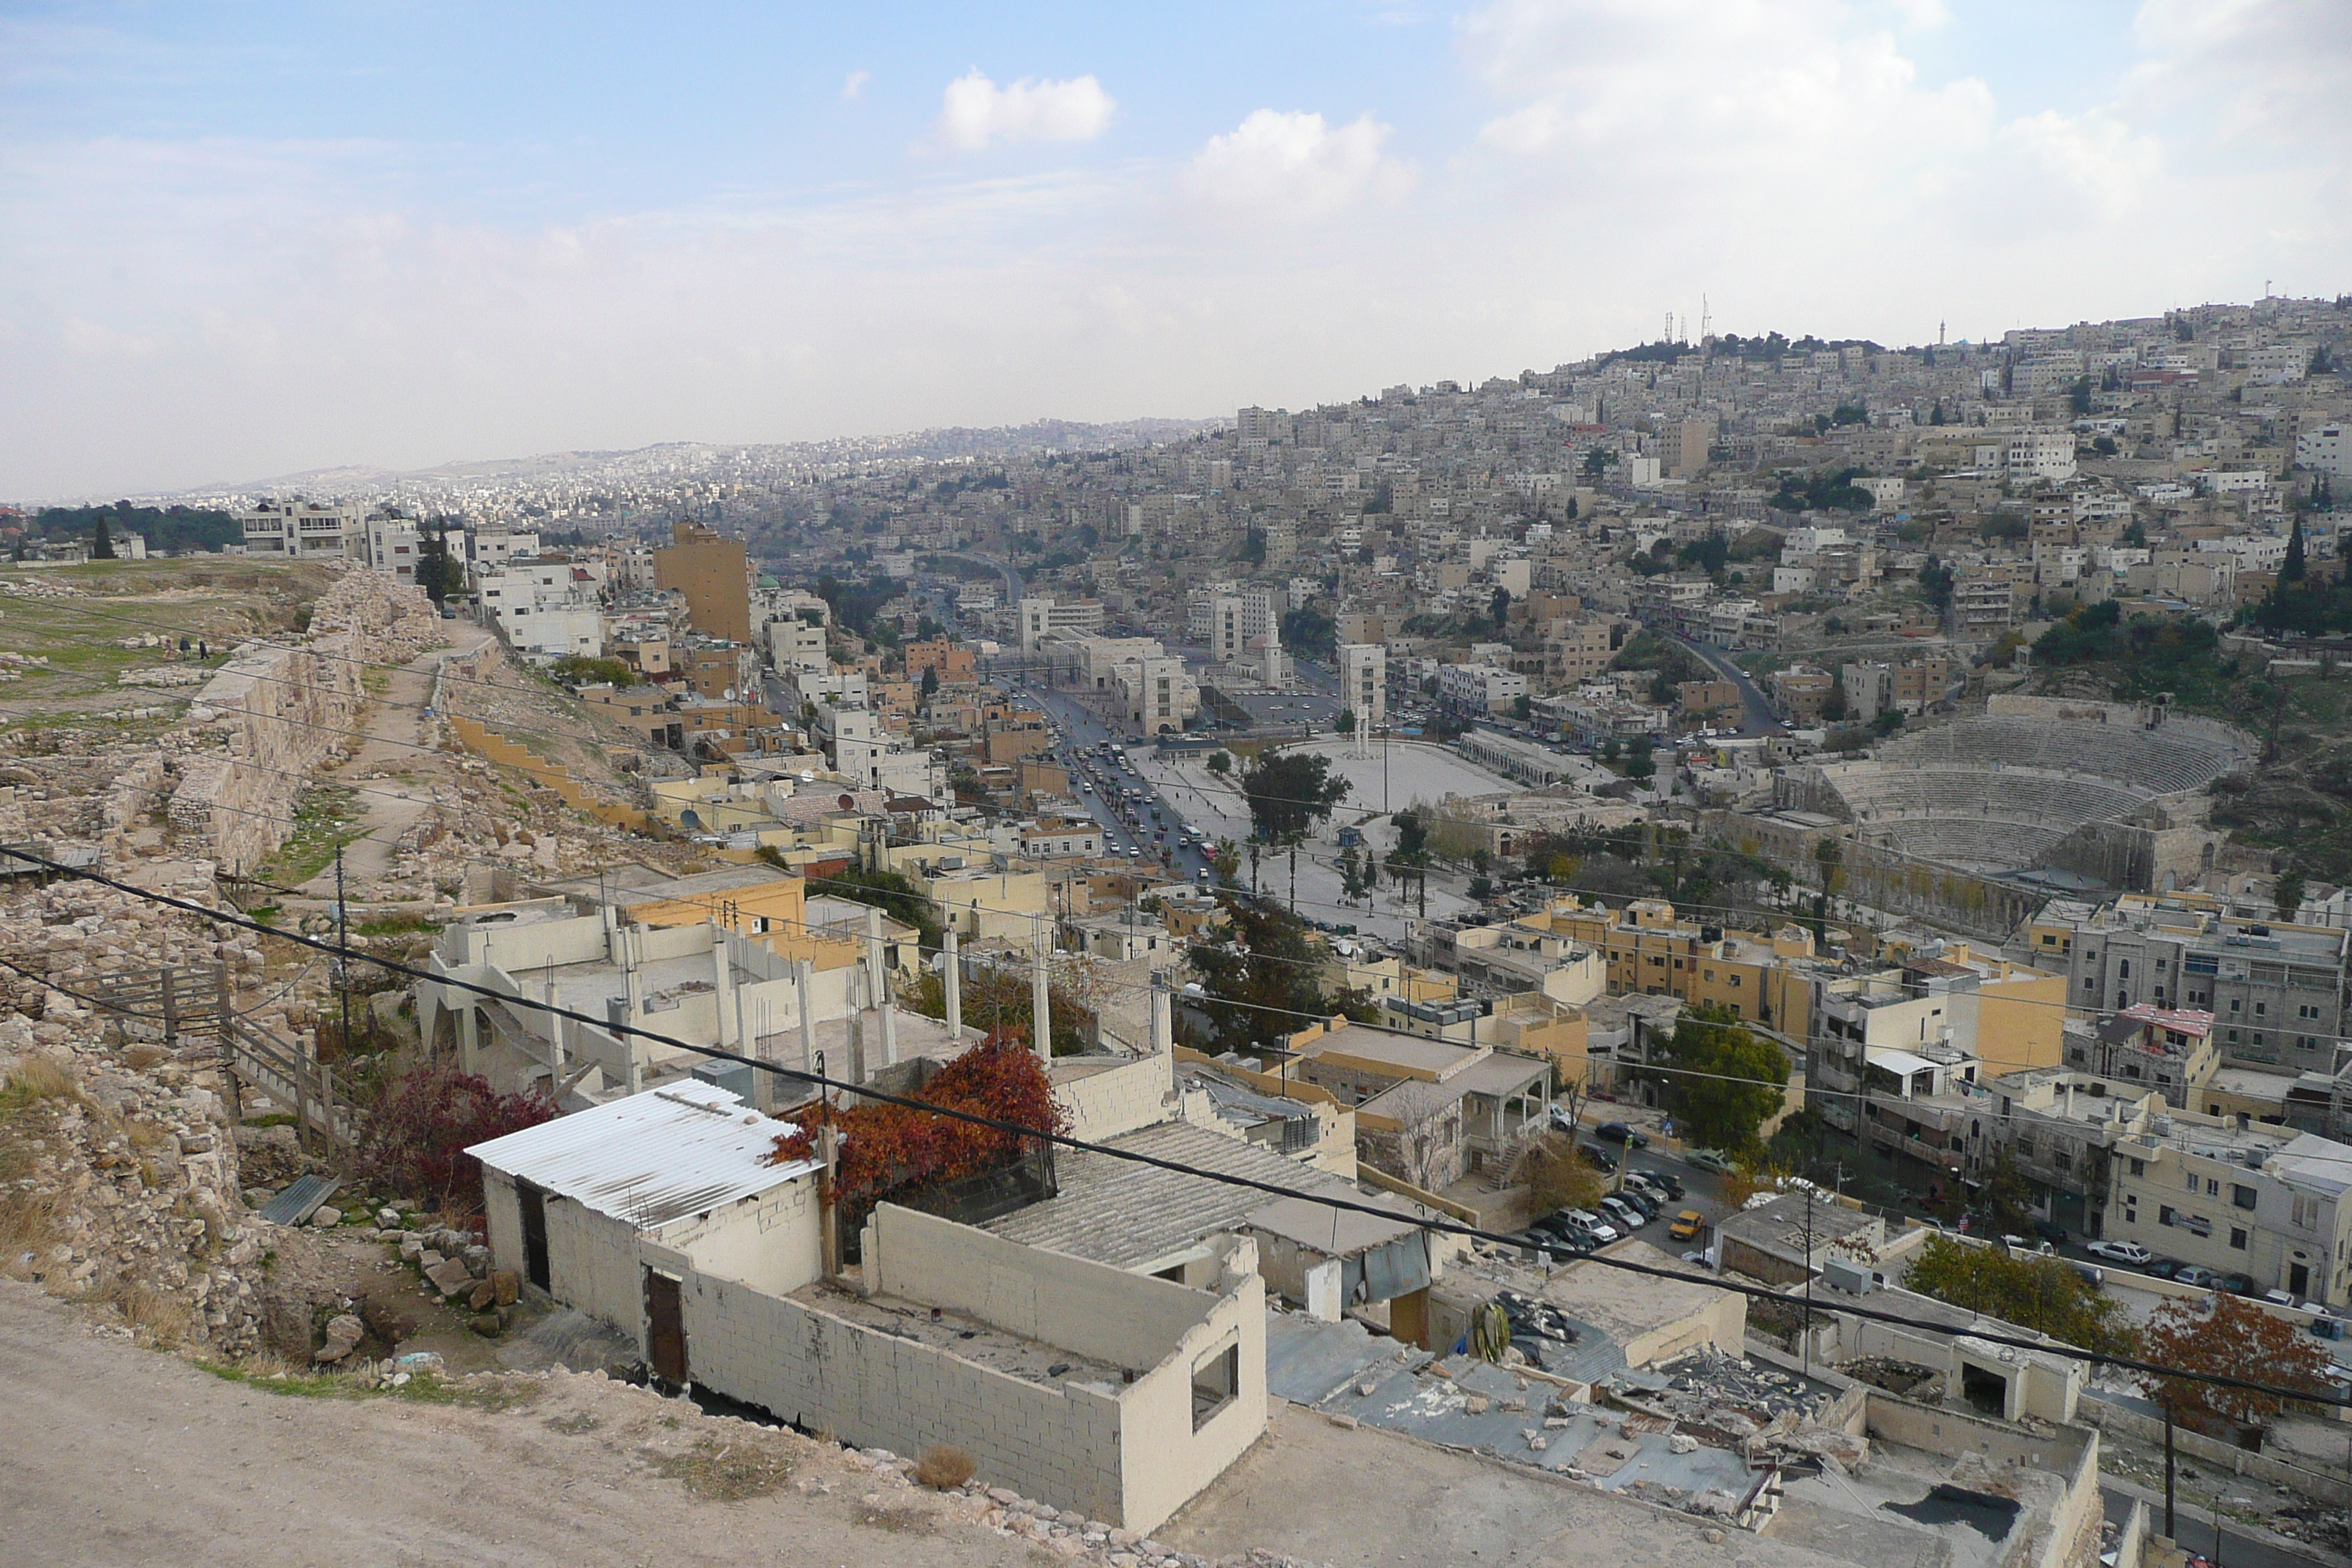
(2169, 1533)
(1808, 1346)
(342, 959)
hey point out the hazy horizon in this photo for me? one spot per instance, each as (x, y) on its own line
(275, 239)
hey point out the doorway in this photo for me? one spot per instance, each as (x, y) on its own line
(665, 1328)
(533, 1205)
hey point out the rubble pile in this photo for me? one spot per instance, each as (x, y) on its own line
(1731, 1401)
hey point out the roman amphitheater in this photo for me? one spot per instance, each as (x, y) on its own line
(2108, 793)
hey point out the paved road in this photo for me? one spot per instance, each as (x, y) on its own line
(1759, 719)
(2195, 1529)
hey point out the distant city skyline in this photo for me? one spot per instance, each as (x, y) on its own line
(254, 240)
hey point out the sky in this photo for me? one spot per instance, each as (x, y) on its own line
(242, 237)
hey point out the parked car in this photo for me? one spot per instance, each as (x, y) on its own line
(2279, 1299)
(1686, 1225)
(2189, 1274)
(1599, 1229)
(1623, 1213)
(1597, 1157)
(2130, 1254)
(2050, 1230)
(1709, 1158)
(2244, 1285)
(1666, 1181)
(1618, 1133)
(1640, 1202)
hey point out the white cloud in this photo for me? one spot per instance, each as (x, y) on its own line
(976, 113)
(854, 83)
(1295, 166)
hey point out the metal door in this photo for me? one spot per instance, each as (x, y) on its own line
(534, 1204)
(665, 1328)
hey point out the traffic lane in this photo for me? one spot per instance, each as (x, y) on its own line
(1756, 707)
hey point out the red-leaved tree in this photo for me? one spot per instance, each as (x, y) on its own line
(885, 1148)
(417, 1137)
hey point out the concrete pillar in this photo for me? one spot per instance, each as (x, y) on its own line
(873, 953)
(803, 973)
(1041, 1014)
(859, 1002)
(1163, 1017)
(722, 977)
(889, 1028)
(1324, 1282)
(951, 975)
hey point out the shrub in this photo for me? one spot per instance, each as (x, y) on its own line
(416, 1138)
(942, 1466)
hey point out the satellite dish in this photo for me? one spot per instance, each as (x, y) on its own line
(808, 775)
(688, 817)
(850, 803)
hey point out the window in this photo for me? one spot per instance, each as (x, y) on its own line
(1216, 1380)
(2123, 969)
(2139, 1167)
(2212, 1187)
(2164, 1214)
(2238, 1239)
(2241, 1196)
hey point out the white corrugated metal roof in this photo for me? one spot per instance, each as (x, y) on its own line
(650, 1158)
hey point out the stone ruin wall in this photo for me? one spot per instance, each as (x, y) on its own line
(274, 717)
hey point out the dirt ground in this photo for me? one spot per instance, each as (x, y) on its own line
(113, 1455)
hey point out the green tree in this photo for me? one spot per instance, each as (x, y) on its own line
(1352, 885)
(2290, 570)
(101, 545)
(1258, 977)
(930, 681)
(2045, 1294)
(1289, 792)
(1346, 722)
(1221, 762)
(2288, 895)
(1725, 1081)
(890, 892)
(1523, 708)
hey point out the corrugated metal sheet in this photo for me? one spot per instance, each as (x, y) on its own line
(651, 1158)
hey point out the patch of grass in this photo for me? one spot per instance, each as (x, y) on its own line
(728, 1472)
(39, 1078)
(573, 1426)
(326, 817)
(491, 1395)
(163, 1318)
(396, 925)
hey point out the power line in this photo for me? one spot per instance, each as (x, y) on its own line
(1440, 1224)
(363, 735)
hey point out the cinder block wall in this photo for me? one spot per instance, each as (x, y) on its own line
(1122, 1100)
(1131, 1320)
(807, 1366)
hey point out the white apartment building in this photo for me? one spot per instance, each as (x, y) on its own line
(1040, 617)
(1479, 688)
(2324, 450)
(794, 643)
(306, 531)
(2036, 456)
(864, 751)
(1364, 683)
(496, 547)
(2259, 1201)
(546, 608)
(395, 545)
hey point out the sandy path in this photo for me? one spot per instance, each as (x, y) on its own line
(395, 722)
(114, 1455)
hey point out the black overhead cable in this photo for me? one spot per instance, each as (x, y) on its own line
(1438, 1223)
